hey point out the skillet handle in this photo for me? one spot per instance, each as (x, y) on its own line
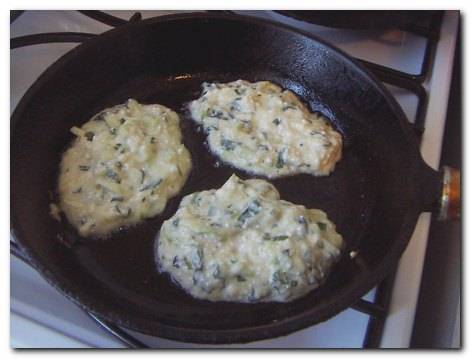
(441, 192)
(450, 200)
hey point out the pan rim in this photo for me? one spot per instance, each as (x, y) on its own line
(274, 329)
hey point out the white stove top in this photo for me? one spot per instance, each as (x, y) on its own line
(42, 317)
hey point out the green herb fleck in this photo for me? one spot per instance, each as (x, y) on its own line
(143, 175)
(280, 161)
(84, 168)
(276, 121)
(217, 272)
(326, 143)
(280, 238)
(99, 117)
(322, 226)
(198, 259)
(246, 125)
(280, 277)
(228, 145)
(302, 221)
(235, 105)
(267, 237)
(196, 200)
(112, 175)
(123, 120)
(117, 199)
(252, 209)
(118, 165)
(240, 278)
(152, 140)
(289, 107)
(89, 135)
(151, 185)
(125, 214)
(214, 113)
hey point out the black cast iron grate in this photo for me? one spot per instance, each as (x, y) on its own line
(377, 309)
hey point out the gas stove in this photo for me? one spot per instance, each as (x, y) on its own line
(414, 60)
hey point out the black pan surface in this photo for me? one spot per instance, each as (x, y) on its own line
(374, 196)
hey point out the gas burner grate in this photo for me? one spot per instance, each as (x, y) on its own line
(377, 309)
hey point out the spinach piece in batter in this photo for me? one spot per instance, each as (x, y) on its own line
(289, 107)
(280, 277)
(240, 91)
(240, 278)
(151, 185)
(280, 161)
(143, 175)
(125, 214)
(100, 116)
(217, 272)
(252, 209)
(267, 237)
(89, 136)
(198, 259)
(322, 226)
(228, 145)
(215, 113)
(112, 175)
(303, 222)
(280, 238)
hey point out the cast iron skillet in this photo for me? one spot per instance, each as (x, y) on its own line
(374, 196)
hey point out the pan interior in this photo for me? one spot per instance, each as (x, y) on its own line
(166, 63)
